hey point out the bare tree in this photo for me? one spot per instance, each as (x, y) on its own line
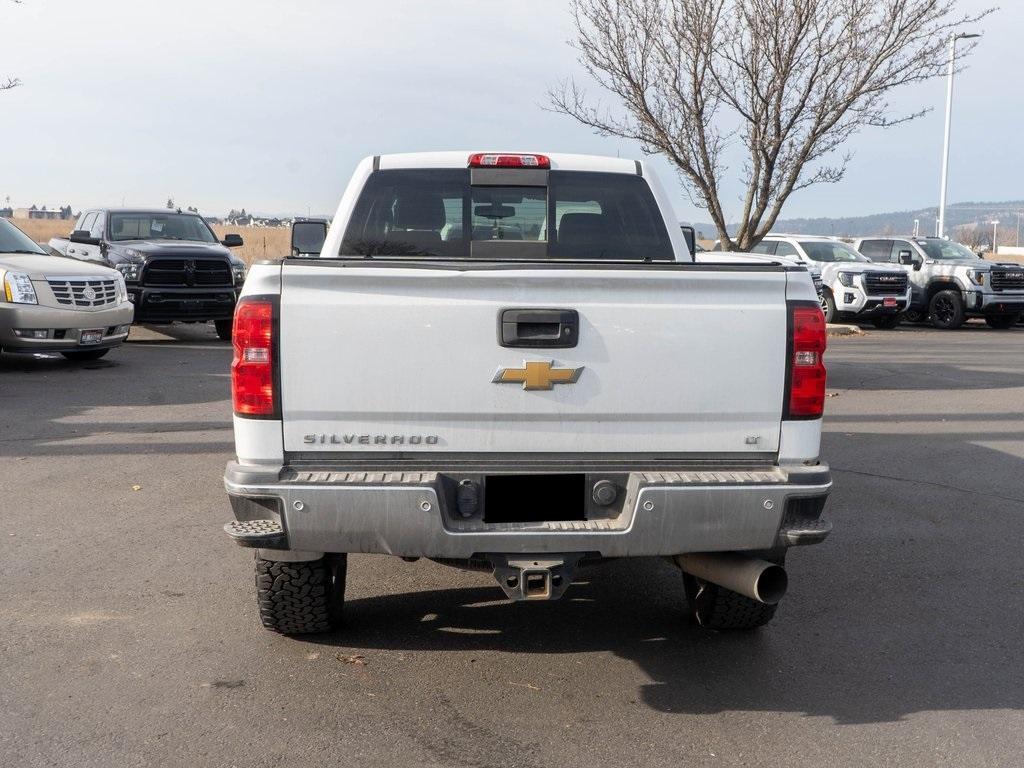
(789, 81)
(974, 237)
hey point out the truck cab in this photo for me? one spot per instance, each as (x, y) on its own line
(853, 287)
(949, 282)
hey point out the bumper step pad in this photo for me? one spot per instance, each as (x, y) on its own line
(805, 532)
(266, 534)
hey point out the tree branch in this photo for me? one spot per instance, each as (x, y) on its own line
(798, 78)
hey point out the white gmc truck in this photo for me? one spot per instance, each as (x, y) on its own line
(510, 362)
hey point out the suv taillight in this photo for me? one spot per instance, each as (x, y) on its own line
(252, 369)
(806, 366)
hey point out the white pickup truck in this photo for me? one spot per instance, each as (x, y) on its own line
(509, 362)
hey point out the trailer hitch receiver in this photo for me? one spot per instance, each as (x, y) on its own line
(534, 577)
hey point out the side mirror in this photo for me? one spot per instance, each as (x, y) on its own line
(690, 236)
(906, 258)
(308, 237)
(84, 237)
(232, 241)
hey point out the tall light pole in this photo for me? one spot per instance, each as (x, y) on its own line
(995, 229)
(949, 114)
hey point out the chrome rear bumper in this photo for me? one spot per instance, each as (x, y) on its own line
(410, 513)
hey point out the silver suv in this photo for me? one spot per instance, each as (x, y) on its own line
(949, 283)
(56, 304)
(854, 288)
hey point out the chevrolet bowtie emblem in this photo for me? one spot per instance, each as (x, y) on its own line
(537, 375)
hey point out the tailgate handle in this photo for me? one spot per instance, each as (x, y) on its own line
(551, 328)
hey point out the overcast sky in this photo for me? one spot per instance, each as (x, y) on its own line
(269, 105)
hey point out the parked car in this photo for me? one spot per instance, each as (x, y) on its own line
(949, 283)
(704, 256)
(511, 362)
(854, 288)
(56, 304)
(174, 266)
(813, 268)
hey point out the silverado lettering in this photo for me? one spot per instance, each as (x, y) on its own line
(322, 438)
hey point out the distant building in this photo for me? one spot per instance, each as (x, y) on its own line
(59, 213)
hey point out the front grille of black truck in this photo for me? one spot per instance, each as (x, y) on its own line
(1008, 279)
(187, 273)
(885, 283)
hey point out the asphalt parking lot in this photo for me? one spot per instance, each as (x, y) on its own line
(129, 637)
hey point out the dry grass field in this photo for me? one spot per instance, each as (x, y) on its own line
(260, 242)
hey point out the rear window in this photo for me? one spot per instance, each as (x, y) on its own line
(438, 213)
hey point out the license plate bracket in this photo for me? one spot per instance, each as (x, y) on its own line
(91, 336)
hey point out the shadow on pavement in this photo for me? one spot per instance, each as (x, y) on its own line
(884, 672)
(50, 405)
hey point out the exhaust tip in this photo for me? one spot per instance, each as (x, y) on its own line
(749, 576)
(772, 584)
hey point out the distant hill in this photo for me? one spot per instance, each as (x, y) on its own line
(902, 222)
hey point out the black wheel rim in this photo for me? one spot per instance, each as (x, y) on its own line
(943, 309)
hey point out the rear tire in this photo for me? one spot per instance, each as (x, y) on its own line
(223, 329)
(85, 354)
(914, 316)
(1002, 321)
(947, 310)
(828, 306)
(301, 598)
(886, 322)
(715, 607)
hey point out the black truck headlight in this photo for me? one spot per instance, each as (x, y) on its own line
(846, 278)
(131, 267)
(238, 270)
(130, 271)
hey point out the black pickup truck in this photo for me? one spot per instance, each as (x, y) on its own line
(175, 268)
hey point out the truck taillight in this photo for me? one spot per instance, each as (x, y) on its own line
(806, 365)
(508, 160)
(252, 369)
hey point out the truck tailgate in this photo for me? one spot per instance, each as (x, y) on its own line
(403, 358)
